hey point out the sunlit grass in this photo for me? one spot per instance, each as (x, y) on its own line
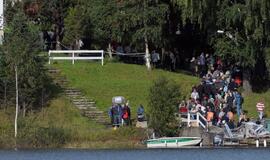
(133, 81)
(117, 79)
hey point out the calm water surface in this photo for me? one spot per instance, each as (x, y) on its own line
(165, 154)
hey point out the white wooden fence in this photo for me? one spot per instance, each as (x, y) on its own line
(200, 120)
(75, 55)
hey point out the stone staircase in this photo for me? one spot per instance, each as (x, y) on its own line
(86, 106)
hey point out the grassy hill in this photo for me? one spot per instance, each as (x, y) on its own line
(133, 81)
(61, 125)
(118, 79)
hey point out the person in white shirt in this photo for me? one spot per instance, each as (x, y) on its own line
(260, 108)
(195, 94)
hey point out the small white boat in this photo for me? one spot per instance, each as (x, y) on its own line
(173, 142)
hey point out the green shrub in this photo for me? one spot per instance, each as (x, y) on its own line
(163, 97)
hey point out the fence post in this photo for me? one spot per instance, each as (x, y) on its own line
(188, 119)
(102, 58)
(73, 60)
(198, 119)
(257, 143)
(49, 54)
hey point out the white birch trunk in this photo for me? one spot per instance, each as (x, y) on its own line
(110, 50)
(17, 101)
(147, 54)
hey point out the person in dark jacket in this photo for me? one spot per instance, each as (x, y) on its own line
(232, 85)
(117, 115)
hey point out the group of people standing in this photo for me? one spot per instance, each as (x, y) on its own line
(121, 114)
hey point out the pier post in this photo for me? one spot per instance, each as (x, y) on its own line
(188, 119)
(257, 143)
(264, 143)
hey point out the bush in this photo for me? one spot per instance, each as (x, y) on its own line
(163, 97)
(52, 136)
(43, 137)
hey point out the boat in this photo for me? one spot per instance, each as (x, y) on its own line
(173, 142)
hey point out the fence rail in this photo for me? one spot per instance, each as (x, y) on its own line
(75, 55)
(199, 120)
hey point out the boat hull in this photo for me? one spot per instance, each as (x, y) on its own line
(173, 142)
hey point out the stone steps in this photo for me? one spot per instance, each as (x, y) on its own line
(82, 100)
(83, 108)
(86, 106)
(83, 103)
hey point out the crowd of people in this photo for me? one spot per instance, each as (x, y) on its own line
(217, 97)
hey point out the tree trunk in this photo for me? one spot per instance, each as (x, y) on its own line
(162, 56)
(24, 109)
(58, 37)
(17, 101)
(147, 54)
(5, 96)
(110, 50)
(246, 82)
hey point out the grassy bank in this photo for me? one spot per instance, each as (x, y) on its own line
(61, 125)
(133, 82)
(115, 79)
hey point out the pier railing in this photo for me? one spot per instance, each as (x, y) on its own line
(196, 118)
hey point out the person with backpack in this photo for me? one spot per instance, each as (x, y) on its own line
(110, 113)
(126, 114)
(117, 115)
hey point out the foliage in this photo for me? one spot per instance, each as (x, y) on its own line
(61, 125)
(74, 26)
(246, 29)
(163, 97)
(21, 48)
(103, 17)
(143, 18)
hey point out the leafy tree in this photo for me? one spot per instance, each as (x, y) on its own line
(246, 24)
(143, 21)
(52, 14)
(163, 98)
(74, 27)
(21, 48)
(104, 22)
(246, 31)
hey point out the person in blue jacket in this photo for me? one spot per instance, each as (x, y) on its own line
(238, 102)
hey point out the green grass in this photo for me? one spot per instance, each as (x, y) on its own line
(251, 100)
(61, 125)
(117, 79)
(133, 81)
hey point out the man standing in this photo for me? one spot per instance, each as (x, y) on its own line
(260, 109)
(155, 58)
(238, 102)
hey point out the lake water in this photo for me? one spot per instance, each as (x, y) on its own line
(153, 154)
